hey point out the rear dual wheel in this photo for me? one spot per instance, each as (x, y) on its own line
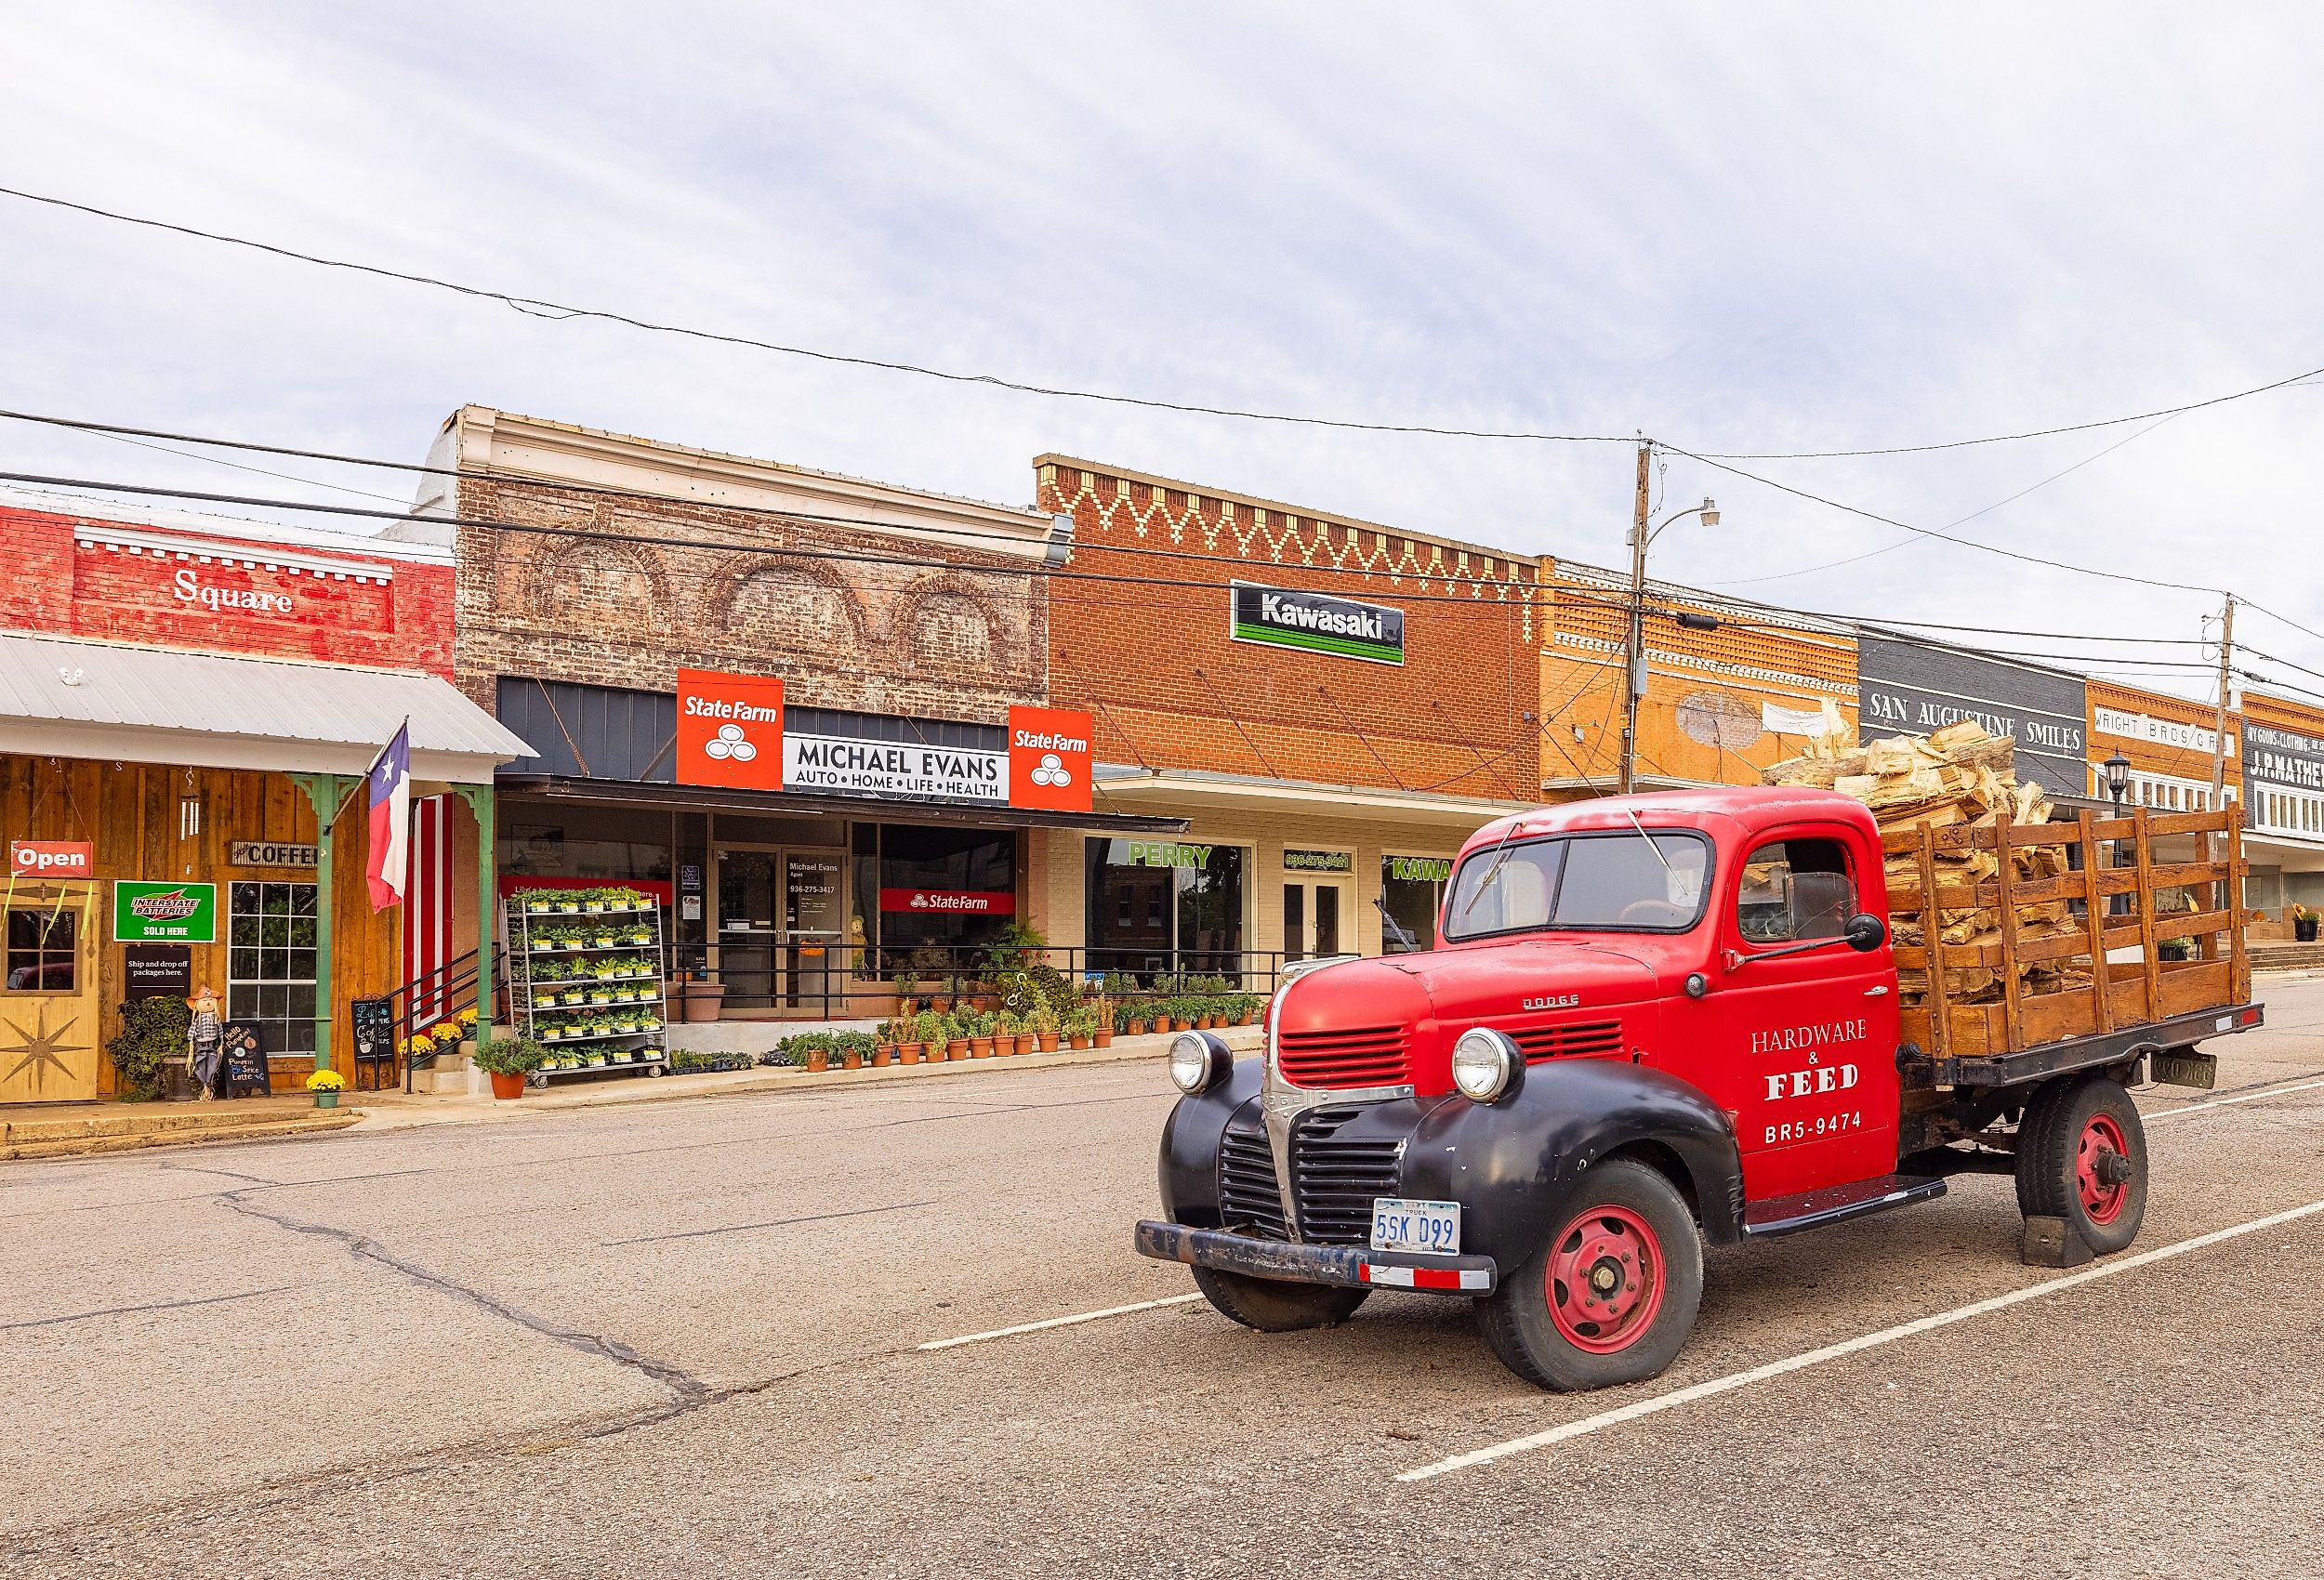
(1612, 1295)
(2082, 1156)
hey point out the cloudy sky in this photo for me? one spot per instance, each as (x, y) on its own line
(1738, 229)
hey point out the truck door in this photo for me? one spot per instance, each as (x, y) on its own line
(1807, 1041)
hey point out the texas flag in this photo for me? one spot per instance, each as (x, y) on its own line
(391, 780)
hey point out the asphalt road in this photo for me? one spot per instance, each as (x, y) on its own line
(683, 1339)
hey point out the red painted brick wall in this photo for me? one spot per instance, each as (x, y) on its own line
(1167, 686)
(50, 582)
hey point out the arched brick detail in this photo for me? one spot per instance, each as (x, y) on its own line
(585, 585)
(797, 604)
(949, 623)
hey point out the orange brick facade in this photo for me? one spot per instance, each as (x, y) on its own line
(1150, 656)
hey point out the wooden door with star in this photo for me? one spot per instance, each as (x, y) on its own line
(50, 1003)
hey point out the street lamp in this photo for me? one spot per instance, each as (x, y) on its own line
(2117, 771)
(1634, 649)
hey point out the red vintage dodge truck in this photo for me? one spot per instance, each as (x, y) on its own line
(1658, 1021)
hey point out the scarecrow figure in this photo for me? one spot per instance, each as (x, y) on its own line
(205, 1040)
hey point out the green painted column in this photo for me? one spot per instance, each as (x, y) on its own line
(481, 803)
(327, 793)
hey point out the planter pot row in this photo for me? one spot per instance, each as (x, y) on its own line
(960, 1047)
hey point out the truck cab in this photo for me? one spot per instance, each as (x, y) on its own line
(1652, 1021)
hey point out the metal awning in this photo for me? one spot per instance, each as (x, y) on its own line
(1119, 785)
(111, 701)
(798, 803)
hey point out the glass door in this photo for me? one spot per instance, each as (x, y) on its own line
(781, 927)
(1317, 919)
(749, 887)
(814, 921)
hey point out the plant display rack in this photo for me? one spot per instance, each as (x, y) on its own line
(585, 982)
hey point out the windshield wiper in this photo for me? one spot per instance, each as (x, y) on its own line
(1648, 839)
(1491, 873)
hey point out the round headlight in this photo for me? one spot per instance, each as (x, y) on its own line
(1192, 1066)
(1484, 1064)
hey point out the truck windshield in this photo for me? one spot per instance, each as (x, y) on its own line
(1607, 882)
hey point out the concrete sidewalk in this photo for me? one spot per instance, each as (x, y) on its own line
(392, 1110)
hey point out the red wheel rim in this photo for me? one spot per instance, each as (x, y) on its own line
(1604, 1279)
(2102, 1140)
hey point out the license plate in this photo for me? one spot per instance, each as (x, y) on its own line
(1401, 1225)
(2199, 1070)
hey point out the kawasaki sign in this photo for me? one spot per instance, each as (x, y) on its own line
(1317, 623)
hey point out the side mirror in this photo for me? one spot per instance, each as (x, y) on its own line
(1865, 932)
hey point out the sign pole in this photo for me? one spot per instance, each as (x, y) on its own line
(326, 792)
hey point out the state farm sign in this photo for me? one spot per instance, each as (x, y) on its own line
(52, 858)
(1048, 759)
(730, 730)
(950, 902)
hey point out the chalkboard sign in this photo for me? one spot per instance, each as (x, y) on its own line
(373, 1024)
(156, 970)
(246, 1072)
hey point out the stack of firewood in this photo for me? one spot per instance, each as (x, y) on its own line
(1958, 774)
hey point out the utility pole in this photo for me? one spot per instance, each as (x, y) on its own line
(1633, 645)
(2219, 717)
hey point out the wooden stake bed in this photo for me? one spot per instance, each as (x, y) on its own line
(2040, 974)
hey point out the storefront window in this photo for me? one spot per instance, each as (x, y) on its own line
(1157, 906)
(271, 962)
(945, 893)
(618, 844)
(41, 953)
(1412, 889)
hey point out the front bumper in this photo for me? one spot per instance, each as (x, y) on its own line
(1347, 1266)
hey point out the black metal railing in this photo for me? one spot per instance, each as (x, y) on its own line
(438, 996)
(830, 980)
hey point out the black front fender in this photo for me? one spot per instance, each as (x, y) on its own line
(1513, 1164)
(1189, 1144)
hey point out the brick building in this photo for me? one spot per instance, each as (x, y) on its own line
(2281, 742)
(1332, 704)
(888, 648)
(187, 703)
(1721, 702)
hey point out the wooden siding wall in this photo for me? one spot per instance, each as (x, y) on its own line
(131, 812)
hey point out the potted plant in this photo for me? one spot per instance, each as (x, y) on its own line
(508, 1063)
(1044, 1024)
(884, 1044)
(852, 1045)
(569, 902)
(1102, 1024)
(537, 902)
(980, 1029)
(325, 1085)
(939, 1000)
(592, 901)
(957, 1034)
(1079, 1025)
(2303, 924)
(817, 1048)
(907, 993)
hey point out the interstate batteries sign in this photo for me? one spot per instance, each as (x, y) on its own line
(1314, 622)
(165, 913)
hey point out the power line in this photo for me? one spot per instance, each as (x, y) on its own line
(1947, 527)
(1926, 532)
(603, 492)
(2283, 619)
(2165, 412)
(540, 307)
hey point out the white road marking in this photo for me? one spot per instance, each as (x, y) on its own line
(1734, 1381)
(1058, 1322)
(2222, 1102)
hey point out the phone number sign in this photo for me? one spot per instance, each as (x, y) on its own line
(165, 913)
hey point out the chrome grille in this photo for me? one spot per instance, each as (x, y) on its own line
(1368, 1055)
(1589, 1039)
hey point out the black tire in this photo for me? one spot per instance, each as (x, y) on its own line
(1527, 1337)
(1272, 1306)
(2051, 1158)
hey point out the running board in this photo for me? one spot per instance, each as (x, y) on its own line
(1813, 1209)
